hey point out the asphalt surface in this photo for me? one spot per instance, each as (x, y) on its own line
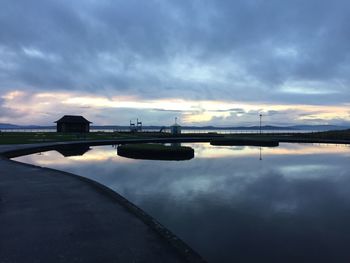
(52, 216)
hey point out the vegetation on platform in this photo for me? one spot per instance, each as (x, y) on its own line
(153, 151)
(44, 137)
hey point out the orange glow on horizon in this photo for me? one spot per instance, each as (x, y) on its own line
(191, 111)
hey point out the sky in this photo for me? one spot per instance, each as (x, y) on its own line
(206, 62)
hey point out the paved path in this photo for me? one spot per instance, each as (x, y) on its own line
(52, 216)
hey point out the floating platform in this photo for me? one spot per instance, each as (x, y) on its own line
(152, 151)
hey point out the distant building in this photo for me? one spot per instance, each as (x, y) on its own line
(136, 127)
(175, 128)
(73, 123)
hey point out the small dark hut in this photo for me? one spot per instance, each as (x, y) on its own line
(73, 123)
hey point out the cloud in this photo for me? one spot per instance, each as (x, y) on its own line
(44, 108)
(6, 112)
(290, 52)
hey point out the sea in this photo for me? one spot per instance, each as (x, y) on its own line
(199, 131)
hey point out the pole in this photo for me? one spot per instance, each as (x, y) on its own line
(260, 122)
(260, 157)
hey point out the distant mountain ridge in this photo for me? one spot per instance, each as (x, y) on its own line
(8, 126)
(265, 127)
(15, 126)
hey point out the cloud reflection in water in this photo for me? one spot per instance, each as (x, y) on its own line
(293, 206)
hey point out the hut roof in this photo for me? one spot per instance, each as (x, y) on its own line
(73, 119)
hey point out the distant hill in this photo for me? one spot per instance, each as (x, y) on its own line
(266, 127)
(14, 126)
(8, 126)
(271, 127)
(320, 127)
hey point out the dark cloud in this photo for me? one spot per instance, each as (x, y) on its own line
(234, 50)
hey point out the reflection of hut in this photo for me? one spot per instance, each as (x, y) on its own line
(175, 128)
(74, 150)
(72, 123)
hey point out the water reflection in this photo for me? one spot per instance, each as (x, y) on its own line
(75, 150)
(292, 206)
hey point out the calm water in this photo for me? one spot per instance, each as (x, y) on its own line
(221, 131)
(231, 204)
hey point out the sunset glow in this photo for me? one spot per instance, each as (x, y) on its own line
(198, 112)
